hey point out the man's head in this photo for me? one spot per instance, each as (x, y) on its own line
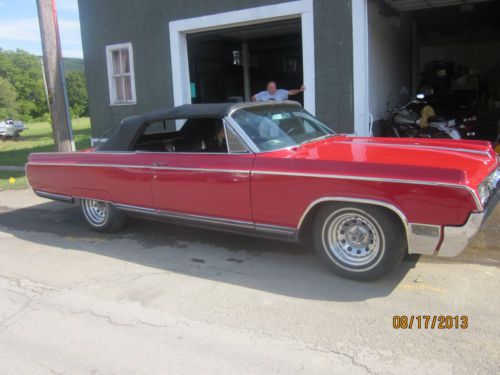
(271, 87)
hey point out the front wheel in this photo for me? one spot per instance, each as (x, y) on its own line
(102, 216)
(359, 242)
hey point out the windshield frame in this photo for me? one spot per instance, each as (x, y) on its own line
(292, 106)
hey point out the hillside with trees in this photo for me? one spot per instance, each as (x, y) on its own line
(22, 92)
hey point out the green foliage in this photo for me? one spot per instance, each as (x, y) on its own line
(77, 93)
(72, 65)
(24, 72)
(8, 104)
(22, 79)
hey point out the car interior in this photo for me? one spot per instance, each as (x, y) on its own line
(196, 135)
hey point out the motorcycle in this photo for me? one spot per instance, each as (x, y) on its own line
(417, 119)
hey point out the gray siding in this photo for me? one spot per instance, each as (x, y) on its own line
(145, 24)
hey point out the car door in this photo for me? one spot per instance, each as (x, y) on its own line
(206, 186)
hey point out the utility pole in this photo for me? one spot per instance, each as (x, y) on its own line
(54, 76)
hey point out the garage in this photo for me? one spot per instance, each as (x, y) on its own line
(232, 64)
(447, 50)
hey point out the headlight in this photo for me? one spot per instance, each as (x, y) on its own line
(484, 192)
(489, 184)
(495, 179)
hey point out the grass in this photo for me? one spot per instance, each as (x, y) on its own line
(37, 138)
(12, 180)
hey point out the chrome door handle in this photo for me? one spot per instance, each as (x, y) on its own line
(158, 164)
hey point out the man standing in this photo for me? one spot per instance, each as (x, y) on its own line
(272, 93)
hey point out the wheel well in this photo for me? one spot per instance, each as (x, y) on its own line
(306, 223)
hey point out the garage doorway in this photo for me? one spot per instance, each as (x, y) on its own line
(258, 28)
(449, 51)
(233, 64)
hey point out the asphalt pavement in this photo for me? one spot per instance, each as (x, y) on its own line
(160, 298)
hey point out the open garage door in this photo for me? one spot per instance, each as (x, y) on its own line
(232, 64)
(446, 49)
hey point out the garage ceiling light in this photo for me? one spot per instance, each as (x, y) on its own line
(407, 5)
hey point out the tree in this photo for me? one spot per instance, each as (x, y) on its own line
(77, 93)
(24, 72)
(8, 104)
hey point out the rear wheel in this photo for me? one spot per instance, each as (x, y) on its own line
(359, 242)
(102, 216)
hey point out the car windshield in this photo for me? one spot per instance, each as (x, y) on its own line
(280, 126)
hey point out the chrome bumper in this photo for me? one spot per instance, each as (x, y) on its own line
(455, 239)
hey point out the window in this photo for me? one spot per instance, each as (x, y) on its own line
(203, 135)
(234, 143)
(121, 80)
(280, 126)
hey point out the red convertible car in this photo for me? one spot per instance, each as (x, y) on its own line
(272, 169)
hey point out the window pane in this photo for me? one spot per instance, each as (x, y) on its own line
(120, 92)
(116, 62)
(233, 142)
(128, 88)
(125, 61)
(165, 126)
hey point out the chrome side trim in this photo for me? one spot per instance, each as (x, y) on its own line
(424, 146)
(91, 165)
(56, 197)
(202, 170)
(378, 179)
(132, 152)
(145, 167)
(206, 219)
(130, 208)
(83, 153)
(186, 217)
(275, 229)
(242, 226)
(185, 153)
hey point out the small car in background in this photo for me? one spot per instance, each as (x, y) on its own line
(11, 128)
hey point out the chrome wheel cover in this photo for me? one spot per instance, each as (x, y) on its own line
(354, 238)
(95, 211)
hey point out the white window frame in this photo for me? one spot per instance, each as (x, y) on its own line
(362, 115)
(179, 29)
(111, 82)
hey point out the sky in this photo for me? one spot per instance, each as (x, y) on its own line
(19, 26)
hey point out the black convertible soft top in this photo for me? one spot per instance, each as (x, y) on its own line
(130, 128)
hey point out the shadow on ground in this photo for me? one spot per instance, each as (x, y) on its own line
(271, 266)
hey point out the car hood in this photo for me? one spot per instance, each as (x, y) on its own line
(434, 160)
